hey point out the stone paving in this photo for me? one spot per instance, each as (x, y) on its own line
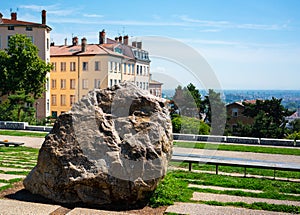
(196, 209)
(199, 196)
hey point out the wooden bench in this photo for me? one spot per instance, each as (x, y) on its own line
(193, 158)
(8, 143)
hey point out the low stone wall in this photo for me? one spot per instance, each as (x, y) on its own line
(242, 140)
(13, 125)
(277, 142)
(23, 126)
(238, 140)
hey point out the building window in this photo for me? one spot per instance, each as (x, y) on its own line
(63, 66)
(97, 65)
(110, 66)
(111, 83)
(72, 100)
(53, 83)
(63, 84)
(48, 44)
(54, 114)
(132, 69)
(97, 83)
(125, 68)
(137, 69)
(54, 67)
(235, 112)
(28, 28)
(84, 66)
(11, 28)
(72, 66)
(63, 100)
(53, 100)
(72, 84)
(116, 81)
(85, 83)
(129, 68)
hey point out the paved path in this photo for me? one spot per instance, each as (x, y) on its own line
(34, 142)
(196, 209)
(241, 155)
(198, 196)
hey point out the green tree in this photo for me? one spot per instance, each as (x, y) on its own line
(269, 118)
(186, 101)
(214, 111)
(295, 125)
(23, 73)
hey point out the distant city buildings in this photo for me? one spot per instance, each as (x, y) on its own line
(39, 33)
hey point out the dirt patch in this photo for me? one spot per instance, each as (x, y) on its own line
(17, 192)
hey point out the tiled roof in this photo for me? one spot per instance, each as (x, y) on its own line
(91, 49)
(22, 23)
(155, 82)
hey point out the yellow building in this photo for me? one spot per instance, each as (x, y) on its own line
(77, 69)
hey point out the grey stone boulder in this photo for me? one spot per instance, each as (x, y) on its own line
(111, 149)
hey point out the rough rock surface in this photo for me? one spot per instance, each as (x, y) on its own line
(112, 148)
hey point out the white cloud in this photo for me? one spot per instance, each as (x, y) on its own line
(51, 9)
(93, 15)
(227, 24)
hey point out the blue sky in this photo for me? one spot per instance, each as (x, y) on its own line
(249, 44)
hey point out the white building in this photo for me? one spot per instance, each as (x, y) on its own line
(39, 33)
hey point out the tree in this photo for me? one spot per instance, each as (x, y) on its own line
(215, 113)
(22, 71)
(186, 101)
(269, 118)
(295, 125)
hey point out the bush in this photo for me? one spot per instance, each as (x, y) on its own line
(189, 125)
(294, 136)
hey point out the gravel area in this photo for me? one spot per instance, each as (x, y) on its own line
(197, 196)
(196, 209)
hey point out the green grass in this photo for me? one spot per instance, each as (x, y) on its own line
(240, 170)
(240, 148)
(174, 188)
(23, 133)
(15, 157)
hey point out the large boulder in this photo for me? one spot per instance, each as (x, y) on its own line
(112, 148)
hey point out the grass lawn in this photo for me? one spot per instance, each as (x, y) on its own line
(174, 188)
(23, 133)
(21, 159)
(240, 148)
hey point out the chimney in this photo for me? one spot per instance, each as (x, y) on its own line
(66, 41)
(134, 43)
(125, 40)
(13, 16)
(75, 41)
(102, 37)
(1, 15)
(139, 45)
(120, 39)
(83, 44)
(43, 17)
